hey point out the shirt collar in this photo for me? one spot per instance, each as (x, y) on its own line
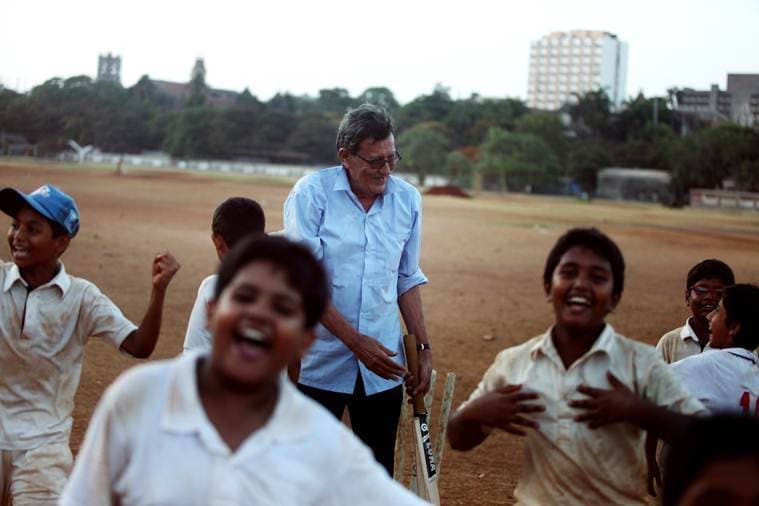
(343, 183)
(184, 413)
(545, 345)
(61, 279)
(743, 353)
(687, 332)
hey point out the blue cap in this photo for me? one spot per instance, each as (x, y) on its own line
(47, 200)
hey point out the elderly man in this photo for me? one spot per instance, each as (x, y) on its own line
(365, 226)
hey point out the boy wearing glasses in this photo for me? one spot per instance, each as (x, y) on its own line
(704, 287)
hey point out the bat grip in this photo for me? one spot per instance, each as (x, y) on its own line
(412, 364)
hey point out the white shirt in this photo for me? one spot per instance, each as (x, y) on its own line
(150, 442)
(679, 343)
(565, 461)
(42, 338)
(198, 337)
(724, 380)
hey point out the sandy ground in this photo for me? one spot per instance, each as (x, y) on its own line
(484, 257)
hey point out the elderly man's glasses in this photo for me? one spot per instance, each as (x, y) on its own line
(378, 163)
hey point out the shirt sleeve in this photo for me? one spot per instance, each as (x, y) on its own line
(365, 482)
(303, 218)
(103, 319)
(493, 378)
(409, 272)
(664, 348)
(197, 336)
(102, 455)
(664, 388)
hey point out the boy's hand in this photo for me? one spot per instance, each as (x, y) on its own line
(606, 406)
(503, 408)
(164, 268)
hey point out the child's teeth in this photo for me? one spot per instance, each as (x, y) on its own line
(253, 334)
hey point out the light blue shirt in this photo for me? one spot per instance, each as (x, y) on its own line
(371, 258)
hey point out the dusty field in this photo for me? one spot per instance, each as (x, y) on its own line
(484, 257)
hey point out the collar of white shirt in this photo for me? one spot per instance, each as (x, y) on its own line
(546, 346)
(342, 183)
(61, 280)
(183, 412)
(742, 353)
(686, 332)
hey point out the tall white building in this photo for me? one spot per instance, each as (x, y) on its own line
(563, 63)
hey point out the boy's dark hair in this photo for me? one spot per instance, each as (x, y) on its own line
(236, 218)
(741, 303)
(705, 441)
(710, 268)
(303, 272)
(58, 229)
(366, 121)
(596, 241)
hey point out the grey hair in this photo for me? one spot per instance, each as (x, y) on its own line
(366, 121)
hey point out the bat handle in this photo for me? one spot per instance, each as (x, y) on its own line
(412, 363)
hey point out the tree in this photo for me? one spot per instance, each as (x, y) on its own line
(548, 127)
(425, 108)
(381, 96)
(585, 158)
(708, 157)
(313, 139)
(591, 114)
(459, 168)
(334, 100)
(518, 160)
(424, 148)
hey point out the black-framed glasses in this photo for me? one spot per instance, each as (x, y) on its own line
(378, 163)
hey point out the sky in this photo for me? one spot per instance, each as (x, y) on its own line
(410, 46)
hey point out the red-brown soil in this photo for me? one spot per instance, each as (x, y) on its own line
(484, 257)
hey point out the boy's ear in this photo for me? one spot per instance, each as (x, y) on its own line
(547, 289)
(733, 329)
(61, 244)
(308, 339)
(220, 244)
(615, 298)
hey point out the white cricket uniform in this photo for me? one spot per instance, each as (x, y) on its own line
(42, 337)
(679, 343)
(724, 380)
(565, 461)
(150, 442)
(198, 336)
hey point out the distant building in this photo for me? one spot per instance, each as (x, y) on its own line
(579, 61)
(109, 68)
(180, 92)
(645, 185)
(740, 103)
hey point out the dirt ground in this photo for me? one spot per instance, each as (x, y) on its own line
(484, 258)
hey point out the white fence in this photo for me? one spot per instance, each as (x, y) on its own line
(725, 199)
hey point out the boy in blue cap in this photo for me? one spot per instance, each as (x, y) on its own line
(46, 317)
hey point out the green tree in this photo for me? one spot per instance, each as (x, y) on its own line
(459, 168)
(519, 160)
(424, 148)
(381, 96)
(547, 126)
(591, 115)
(334, 100)
(313, 139)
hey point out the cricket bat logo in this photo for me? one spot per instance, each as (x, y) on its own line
(426, 467)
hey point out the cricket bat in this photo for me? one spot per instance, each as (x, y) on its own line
(426, 468)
